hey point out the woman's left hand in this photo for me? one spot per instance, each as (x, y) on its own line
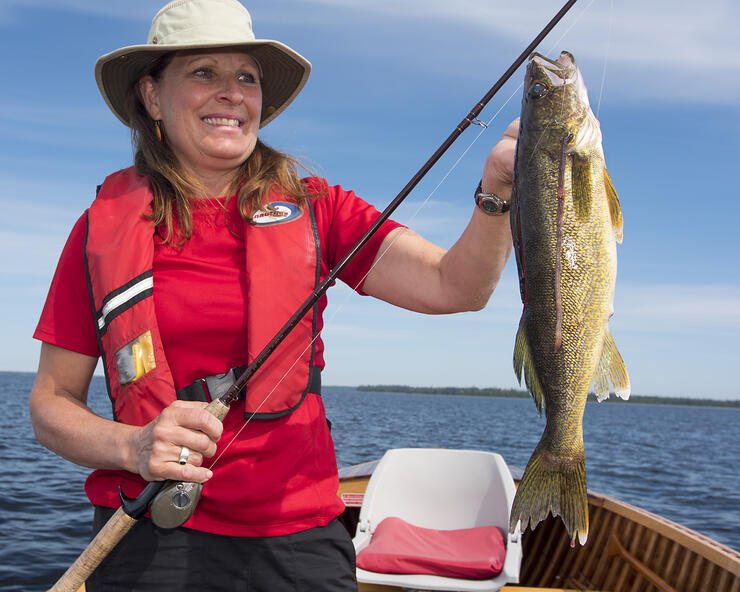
(498, 172)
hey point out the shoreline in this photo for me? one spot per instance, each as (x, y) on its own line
(496, 392)
(522, 394)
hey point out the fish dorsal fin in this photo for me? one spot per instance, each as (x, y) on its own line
(615, 209)
(581, 184)
(611, 369)
(523, 360)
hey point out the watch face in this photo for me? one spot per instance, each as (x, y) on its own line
(490, 205)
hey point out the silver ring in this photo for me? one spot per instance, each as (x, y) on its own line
(184, 455)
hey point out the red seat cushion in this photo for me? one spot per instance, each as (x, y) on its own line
(402, 548)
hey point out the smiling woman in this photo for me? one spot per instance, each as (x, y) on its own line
(204, 108)
(208, 105)
(182, 270)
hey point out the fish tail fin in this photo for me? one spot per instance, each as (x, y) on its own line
(556, 485)
(523, 361)
(612, 370)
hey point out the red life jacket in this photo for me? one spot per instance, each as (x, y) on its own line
(282, 269)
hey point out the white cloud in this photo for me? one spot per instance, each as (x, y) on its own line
(86, 129)
(31, 237)
(644, 32)
(125, 9)
(662, 49)
(36, 218)
(51, 114)
(679, 308)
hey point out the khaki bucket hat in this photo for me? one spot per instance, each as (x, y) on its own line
(202, 24)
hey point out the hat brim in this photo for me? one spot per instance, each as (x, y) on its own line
(284, 72)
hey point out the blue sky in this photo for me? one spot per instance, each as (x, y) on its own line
(390, 82)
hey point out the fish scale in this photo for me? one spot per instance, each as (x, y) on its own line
(566, 219)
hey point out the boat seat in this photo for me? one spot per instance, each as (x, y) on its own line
(449, 517)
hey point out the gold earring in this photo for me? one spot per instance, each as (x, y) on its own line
(158, 130)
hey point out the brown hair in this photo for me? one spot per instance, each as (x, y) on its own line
(174, 187)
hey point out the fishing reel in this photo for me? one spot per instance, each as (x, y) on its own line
(175, 503)
(172, 502)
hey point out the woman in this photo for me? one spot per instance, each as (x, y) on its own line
(182, 269)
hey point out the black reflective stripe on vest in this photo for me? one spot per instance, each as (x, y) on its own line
(123, 298)
(212, 387)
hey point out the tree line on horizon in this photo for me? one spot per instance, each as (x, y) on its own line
(511, 393)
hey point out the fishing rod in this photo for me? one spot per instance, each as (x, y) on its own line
(181, 496)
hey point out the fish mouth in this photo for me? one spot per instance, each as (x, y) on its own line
(564, 60)
(560, 72)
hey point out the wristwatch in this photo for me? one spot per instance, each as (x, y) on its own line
(490, 203)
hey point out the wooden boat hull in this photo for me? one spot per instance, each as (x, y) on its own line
(628, 549)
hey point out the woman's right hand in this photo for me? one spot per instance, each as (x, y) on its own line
(156, 447)
(65, 424)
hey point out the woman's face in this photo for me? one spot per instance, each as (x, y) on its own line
(210, 105)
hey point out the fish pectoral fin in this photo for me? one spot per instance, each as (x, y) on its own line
(581, 184)
(615, 209)
(611, 369)
(523, 361)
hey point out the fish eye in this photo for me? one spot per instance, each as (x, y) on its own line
(537, 91)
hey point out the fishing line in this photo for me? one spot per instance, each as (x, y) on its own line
(575, 22)
(568, 30)
(550, 51)
(344, 302)
(377, 260)
(484, 128)
(606, 55)
(379, 257)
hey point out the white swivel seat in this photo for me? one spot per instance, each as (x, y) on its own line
(443, 490)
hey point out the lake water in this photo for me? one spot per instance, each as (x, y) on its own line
(679, 462)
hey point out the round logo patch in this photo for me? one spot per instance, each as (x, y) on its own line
(283, 211)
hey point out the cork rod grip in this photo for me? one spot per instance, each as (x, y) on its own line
(218, 409)
(113, 531)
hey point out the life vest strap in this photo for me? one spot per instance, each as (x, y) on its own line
(214, 386)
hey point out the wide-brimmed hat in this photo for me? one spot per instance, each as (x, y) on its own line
(202, 24)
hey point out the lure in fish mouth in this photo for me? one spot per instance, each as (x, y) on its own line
(566, 220)
(560, 72)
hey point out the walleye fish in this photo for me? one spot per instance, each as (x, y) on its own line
(565, 220)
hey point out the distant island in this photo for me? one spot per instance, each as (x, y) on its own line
(473, 391)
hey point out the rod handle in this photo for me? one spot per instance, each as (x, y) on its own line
(113, 531)
(218, 408)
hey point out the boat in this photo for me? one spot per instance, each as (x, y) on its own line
(628, 549)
